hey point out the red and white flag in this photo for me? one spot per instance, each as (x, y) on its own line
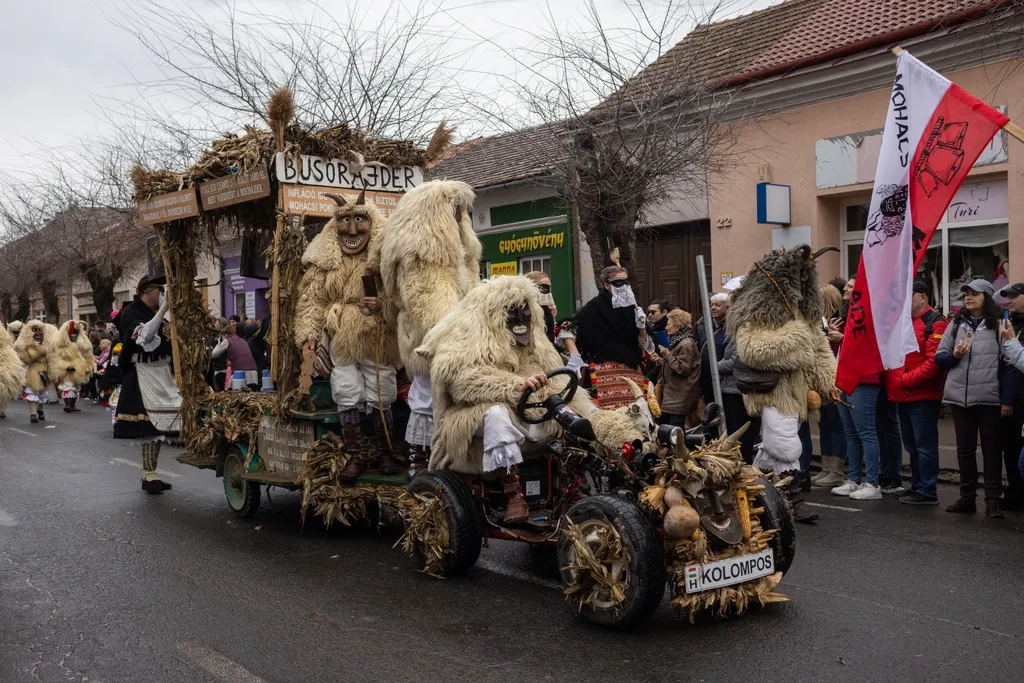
(934, 132)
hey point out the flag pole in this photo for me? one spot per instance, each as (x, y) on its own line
(1010, 127)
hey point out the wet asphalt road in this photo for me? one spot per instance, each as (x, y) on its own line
(100, 582)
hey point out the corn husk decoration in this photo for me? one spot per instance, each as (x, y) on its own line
(591, 580)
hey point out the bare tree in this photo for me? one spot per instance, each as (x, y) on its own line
(622, 121)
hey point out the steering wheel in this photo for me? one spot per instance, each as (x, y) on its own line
(564, 396)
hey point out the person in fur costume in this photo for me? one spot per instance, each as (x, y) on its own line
(14, 327)
(12, 371)
(482, 356)
(429, 260)
(72, 362)
(784, 363)
(34, 346)
(360, 328)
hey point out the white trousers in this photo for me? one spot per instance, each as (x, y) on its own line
(780, 442)
(501, 440)
(355, 386)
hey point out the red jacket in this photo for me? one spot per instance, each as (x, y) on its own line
(920, 379)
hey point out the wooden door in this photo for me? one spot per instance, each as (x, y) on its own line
(665, 264)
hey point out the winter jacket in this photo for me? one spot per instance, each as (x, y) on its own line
(725, 377)
(981, 378)
(920, 378)
(681, 378)
(1017, 373)
(721, 337)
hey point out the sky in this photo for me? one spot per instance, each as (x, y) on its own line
(68, 61)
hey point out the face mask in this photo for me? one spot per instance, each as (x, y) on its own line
(518, 320)
(622, 294)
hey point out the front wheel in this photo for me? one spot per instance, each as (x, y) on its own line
(777, 515)
(243, 495)
(458, 522)
(611, 562)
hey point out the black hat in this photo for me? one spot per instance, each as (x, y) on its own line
(146, 283)
(1013, 290)
(922, 288)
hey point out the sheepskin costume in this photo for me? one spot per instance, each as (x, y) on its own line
(14, 327)
(12, 370)
(429, 261)
(35, 355)
(475, 365)
(72, 360)
(774, 322)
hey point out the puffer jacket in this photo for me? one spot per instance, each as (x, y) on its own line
(725, 365)
(920, 378)
(981, 378)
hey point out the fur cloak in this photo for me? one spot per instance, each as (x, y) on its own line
(475, 364)
(36, 356)
(331, 296)
(429, 261)
(771, 335)
(72, 359)
(14, 328)
(12, 370)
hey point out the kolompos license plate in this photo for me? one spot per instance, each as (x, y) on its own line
(740, 569)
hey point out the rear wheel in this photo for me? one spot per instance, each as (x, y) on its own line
(777, 515)
(463, 528)
(638, 569)
(243, 496)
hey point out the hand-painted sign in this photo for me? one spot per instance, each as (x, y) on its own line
(507, 268)
(234, 189)
(536, 242)
(344, 174)
(169, 207)
(310, 200)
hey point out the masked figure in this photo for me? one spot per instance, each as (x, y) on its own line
(34, 346)
(360, 328)
(784, 364)
(430, 259)
(12, 371)
(72, 362)
(14, 327)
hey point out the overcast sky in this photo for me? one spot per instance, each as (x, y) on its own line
(65, 58)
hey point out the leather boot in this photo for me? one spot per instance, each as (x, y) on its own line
(67, 405)
(419, 458)
(387, 461)
(354, 448)
(73, 406)
(802, 513)
(516, 510)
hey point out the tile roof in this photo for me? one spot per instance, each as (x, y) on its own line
(799, 33)
(498, 159)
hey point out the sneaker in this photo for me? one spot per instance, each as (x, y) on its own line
(867, 492)
(830, 480)
(963, 505)
(846, 489)
(893, 490)
(915, 498)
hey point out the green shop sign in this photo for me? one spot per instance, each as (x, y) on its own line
(538, 241)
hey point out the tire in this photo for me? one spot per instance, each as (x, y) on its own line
(777, 515)
(464, 538)
(243, 496)
(645, 585)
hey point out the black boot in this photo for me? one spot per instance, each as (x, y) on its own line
(802, 513)
(353, 446)
(387, 461)
(74, 406)
(40, 413)
(419, 458)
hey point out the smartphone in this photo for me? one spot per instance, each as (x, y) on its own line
(369, 286)
(1006, 314)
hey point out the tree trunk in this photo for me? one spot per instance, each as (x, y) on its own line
(6, 305)
(51, 300)
(24, 307)
(102, 292)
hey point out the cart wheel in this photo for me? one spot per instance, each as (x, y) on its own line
(777, 515)
(243, 496)
(643, 574)
(464, 538)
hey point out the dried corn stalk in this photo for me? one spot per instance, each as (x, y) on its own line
(590, 576)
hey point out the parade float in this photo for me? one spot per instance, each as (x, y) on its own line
(626, 508)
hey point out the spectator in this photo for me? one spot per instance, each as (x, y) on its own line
(238, 354)
(258, 344)
(719, 309)
(610, 333)
(890, 446)
(980, 388)
(218, 364)
(1013, 426)
(1014, 352)
(235, 319)
(862, 448)
(94, 339)
(681, 373)
(732, 405)
(916, 389)
(547, 301)
(656, 320)
(830, 425)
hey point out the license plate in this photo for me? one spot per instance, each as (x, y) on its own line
(740, 569)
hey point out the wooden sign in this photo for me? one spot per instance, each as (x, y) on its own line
(310, 200)
(281, 446)
(169, 207)
(507, 268)
(342, 173)
(235, 189)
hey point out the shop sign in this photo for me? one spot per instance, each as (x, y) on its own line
(309, 200)
(984, 201)
(507, 268)
(234, 189)
(169, 207)
(339, 173)
(536, 242)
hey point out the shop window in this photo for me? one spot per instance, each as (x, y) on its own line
(485, 270)
(530, 264)
(240, 304)
(977, 252)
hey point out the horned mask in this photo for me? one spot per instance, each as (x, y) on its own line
(353, 223)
